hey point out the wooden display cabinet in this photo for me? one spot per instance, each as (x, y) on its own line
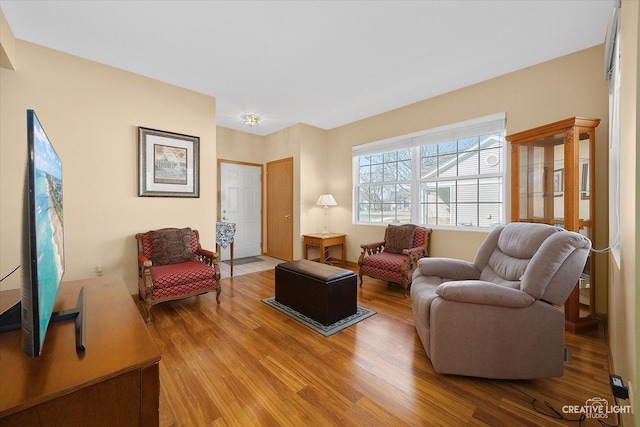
(552, 182)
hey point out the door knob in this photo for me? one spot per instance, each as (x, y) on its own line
(287, 216)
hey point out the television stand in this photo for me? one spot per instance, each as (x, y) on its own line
(11, 319)
(77, 314)
(114, 382)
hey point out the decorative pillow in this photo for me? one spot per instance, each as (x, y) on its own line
(399, 237)
(171, 246)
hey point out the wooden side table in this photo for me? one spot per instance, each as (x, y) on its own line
(324, 242)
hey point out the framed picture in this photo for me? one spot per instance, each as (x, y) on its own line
(168, 164)
(558, 182)
(585, 193)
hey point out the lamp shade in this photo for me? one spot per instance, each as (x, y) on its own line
(326, 200)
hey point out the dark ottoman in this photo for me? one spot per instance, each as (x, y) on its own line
(321, 292)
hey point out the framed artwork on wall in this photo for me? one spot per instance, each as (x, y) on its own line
(558, 182)
(168, 164)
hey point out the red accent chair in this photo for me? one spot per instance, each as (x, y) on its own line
(396, 257)
(172, 265)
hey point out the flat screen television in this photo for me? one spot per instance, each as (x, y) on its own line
(43, 260)
(42, 254)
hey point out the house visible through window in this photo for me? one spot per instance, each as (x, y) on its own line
(451, 176)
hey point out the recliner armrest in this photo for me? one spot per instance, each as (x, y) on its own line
(448, 268)
(484, 293)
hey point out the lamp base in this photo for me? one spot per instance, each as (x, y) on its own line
(326, 220)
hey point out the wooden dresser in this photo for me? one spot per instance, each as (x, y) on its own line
(114, 382)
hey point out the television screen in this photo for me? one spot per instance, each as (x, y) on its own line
(43, 250)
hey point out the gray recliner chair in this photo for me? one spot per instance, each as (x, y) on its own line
(498, 317)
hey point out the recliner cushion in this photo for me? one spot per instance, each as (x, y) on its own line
(522, 239)
(516, 245)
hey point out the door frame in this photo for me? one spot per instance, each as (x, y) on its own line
(262, 198)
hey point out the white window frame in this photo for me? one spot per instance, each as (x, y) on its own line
(470, 128)
(612, 74)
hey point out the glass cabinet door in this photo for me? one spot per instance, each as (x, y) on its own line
(552, 183)
(541, 180)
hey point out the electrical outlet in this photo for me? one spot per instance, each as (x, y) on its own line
(98, 271)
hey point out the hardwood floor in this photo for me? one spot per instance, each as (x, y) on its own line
(243, 363)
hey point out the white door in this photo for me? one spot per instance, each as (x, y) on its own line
(241, 203)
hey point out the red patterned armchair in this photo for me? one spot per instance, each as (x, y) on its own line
(172, 265)
(395, 258)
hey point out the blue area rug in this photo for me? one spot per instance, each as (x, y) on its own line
(361, 314)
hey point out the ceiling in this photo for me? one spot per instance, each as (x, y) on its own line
(323, 63)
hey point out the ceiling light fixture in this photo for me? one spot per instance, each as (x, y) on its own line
(251, 119)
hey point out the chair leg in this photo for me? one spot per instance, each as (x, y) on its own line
(149, 305)
(360, 276)
(218, 290)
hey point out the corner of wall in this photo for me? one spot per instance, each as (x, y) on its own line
(7, 45)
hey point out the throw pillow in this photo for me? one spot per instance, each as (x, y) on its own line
(171, 246)
(399, 237)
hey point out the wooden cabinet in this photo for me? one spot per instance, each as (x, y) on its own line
(114, 382)
(552, 182)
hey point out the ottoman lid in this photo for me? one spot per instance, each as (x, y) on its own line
(316, 270)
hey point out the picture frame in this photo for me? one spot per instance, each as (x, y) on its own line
(558, 182)
(585, 191)
(168, 164)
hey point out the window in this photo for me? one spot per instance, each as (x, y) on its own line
(450, 176)
(612, 74)
(384, 186)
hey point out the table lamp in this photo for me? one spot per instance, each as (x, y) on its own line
(326, 200)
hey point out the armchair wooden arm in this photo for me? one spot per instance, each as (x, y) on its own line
(144, 275)
(411, 261)
(370, 249)
(212, 259)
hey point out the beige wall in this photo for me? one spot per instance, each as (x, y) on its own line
(569, 86)
(240, 146)
(91, 113)
(572, 85)
(624, 279)
(7, 44)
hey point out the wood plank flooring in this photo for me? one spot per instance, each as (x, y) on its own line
(243, 363)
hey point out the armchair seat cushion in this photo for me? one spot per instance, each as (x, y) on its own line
(164, 276)
(384, 264)
(180, 291)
